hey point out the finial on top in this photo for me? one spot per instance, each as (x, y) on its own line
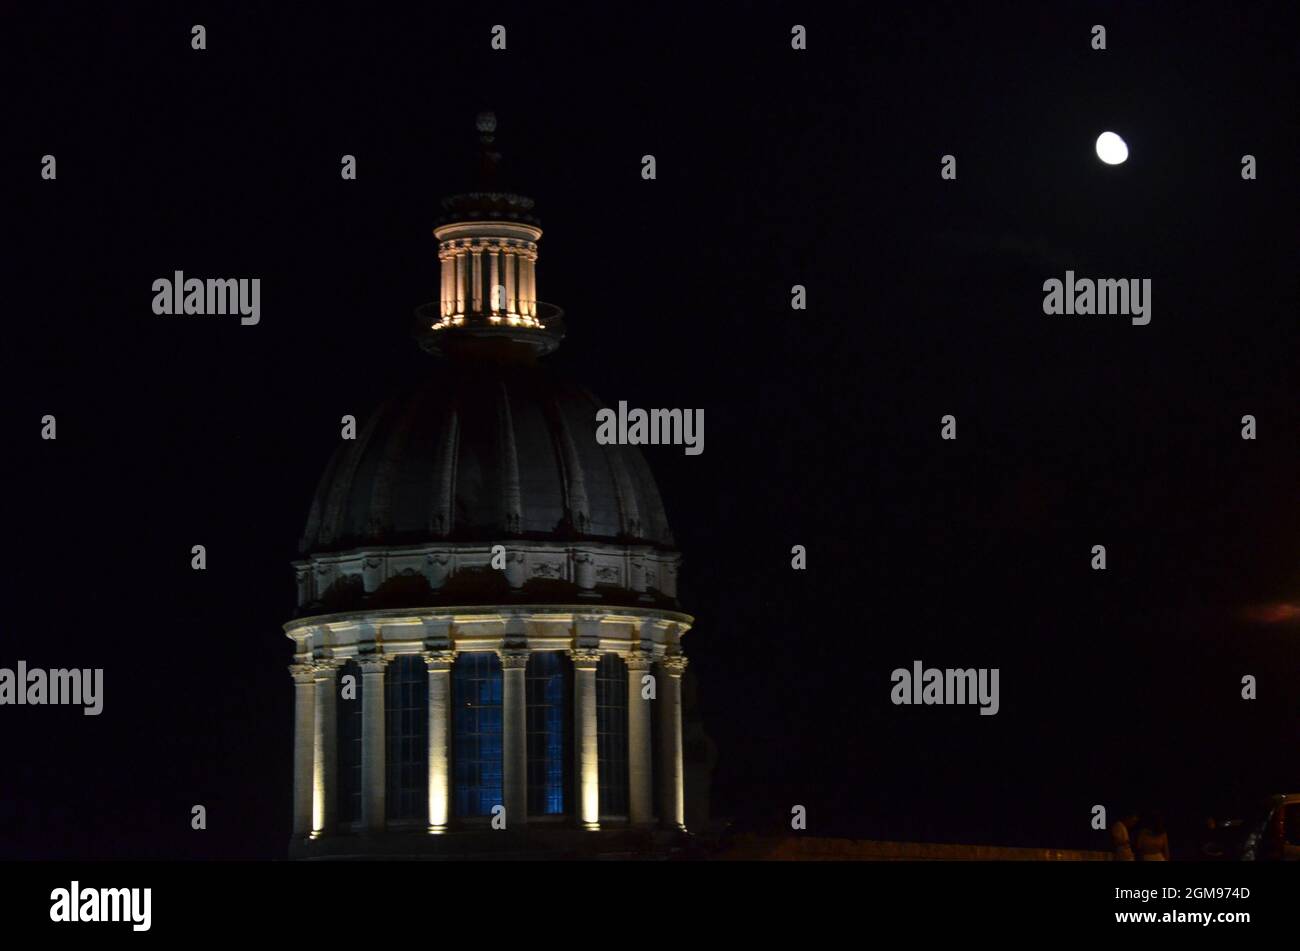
(489, 157)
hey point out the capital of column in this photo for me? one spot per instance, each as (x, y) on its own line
(325, 667)
(673, 664)
(374, 662)
(584, 657)
(638, 660)
(513, 658)
(439, 660)
(303, 672)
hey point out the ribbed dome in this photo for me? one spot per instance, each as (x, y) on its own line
(481, 452)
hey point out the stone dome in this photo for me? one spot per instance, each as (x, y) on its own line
(472, 546)
(488, 448)
(484, 452)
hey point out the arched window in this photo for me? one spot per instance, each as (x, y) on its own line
(476, 747)
(348, 711)
(547, 728)
(406, 734)
(611, 735)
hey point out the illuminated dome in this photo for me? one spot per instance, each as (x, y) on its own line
(487, 646)
(491, 448)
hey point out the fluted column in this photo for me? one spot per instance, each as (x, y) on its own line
(671, 788)
(374, 805)
(640, 795)
(530, 284)
(509, 257)
(461, 258)
(514, 714)
(304, 744)
(448, 284)
(584, 733)
(494, 272)
(439, 663)
(476, 262)
(521, 282)
(325, 775)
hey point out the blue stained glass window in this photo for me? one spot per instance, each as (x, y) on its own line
(547, 759)
(611, 734)
(406, 734)
(476, 742)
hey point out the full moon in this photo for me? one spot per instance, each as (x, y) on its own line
(1111, 149)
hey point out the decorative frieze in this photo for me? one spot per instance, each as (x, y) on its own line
(589, 566)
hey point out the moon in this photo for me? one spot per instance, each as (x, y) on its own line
(1111, 149)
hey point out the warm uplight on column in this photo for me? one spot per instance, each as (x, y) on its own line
(670, 718)
(324, 771)
(460, 282)
(448, 281)
(530, 284)
(439, 664)
(508, 281)
(318, 787)
(438, 781)
(584, 712)
(590, 779)
(488, 274)
(318, 806)
(639, 755)
(304, 746)
(476, 259)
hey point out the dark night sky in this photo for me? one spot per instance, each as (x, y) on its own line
(822, 427)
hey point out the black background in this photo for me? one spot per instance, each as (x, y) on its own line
(775, 167)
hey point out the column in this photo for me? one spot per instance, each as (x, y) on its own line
(476, 262)
(494, 275)
(530, 285)
(509, 258)
(640, 799)
(439, 663)
(325, 779)
(584, 736)
(460, 282)
(448, 282)
(304, 744)
(374, 803)
(514, 715)
(670, 739)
